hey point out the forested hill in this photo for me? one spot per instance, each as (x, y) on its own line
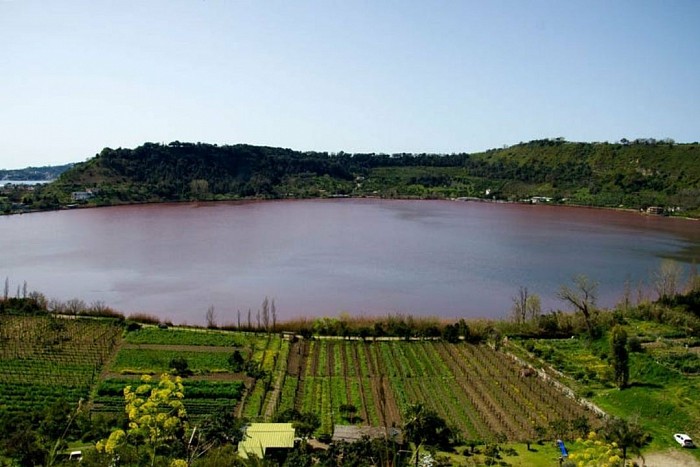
(632, 174)
(34, 173)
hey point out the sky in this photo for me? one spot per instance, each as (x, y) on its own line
(355, 76)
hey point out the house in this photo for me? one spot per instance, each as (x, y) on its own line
(266, 439)
(352, 433)
(655, 210)
(81, 195)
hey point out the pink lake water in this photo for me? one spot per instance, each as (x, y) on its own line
(323, 257)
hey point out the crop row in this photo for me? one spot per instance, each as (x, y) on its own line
(44, 359)
(170, 336)
(480, 390)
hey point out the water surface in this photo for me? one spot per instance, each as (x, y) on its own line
(323, 257)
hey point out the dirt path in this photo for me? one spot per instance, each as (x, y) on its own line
(670, 458)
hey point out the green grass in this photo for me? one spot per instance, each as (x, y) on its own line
(153, 361)
(661, 397)
(204, 337)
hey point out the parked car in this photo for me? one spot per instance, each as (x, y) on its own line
(684, 440)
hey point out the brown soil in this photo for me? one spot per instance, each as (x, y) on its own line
(296, 358)
(358, 373)
(670, 458)
(392, 413)
(314, 360)
(297, 368)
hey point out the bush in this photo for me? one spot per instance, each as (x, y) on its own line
(180, 367)
(635, 344)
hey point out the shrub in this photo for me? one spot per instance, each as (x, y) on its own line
(180, 367)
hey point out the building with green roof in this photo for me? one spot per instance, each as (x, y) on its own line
(271, 439)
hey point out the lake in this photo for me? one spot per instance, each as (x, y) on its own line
(323, 257)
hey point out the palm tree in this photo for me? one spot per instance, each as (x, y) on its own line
(629, 435)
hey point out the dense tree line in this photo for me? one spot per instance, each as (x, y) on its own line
(634, 174)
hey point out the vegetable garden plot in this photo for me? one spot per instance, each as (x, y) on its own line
(44, 359)
(478, 390)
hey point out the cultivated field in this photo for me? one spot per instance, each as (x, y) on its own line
(212, 386)
(483, 392)
(44, 359)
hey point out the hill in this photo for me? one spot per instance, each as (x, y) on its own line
(635, 174)
(48, 173)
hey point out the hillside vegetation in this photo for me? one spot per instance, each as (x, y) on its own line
(635, 174)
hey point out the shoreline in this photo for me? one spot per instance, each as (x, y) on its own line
(71, 207)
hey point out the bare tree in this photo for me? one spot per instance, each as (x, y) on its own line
(75, 306)
(211, 317)
(7, 288)
(250, 324)
(273, 310)
(265, 314)
(533, 306)
(258, 318)
(24, 289)
(520, 305)
(526, 306)
(239, 319)
(666, 279)
(582, 297)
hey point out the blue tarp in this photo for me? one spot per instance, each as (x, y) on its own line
(562, 448)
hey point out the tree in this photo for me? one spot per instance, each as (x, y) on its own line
(424, 427)
(305, 423)
(666, 279)
(273, 311)
(199, 188)
(211, 317)
(24, 444)
(620, 356)
(348, 411)
(628, 435)
(265, 314)
(180, 366)
(236, 361)
(520, 305)
(156, 415)
(582, 297)
(525, 306)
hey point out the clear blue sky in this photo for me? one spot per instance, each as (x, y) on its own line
(354, 76)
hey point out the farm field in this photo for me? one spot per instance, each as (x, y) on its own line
(486, 394)
(212, 386)
(479, 390)
(44, 359)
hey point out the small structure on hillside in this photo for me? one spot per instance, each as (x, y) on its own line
(267, 440)
(82, 195)
(352, 433)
